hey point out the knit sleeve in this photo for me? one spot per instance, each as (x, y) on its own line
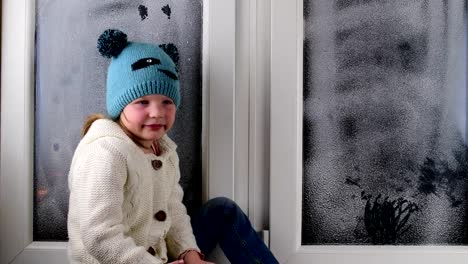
(180, 236)
(98, 187)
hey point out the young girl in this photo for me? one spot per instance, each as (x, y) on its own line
(125, 199)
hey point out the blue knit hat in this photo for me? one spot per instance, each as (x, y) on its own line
(137, 69)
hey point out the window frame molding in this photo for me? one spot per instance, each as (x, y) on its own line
(286, 137)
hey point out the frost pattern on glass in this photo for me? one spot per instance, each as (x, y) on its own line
(70, 85)
(384, 127)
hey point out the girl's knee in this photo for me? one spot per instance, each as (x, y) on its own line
(220, 201)
(225, 204)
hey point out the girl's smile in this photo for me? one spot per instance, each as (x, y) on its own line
(154, 126)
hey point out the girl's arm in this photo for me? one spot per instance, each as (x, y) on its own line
(98, 187)
(180, 236)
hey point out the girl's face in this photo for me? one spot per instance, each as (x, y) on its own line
(149, 117)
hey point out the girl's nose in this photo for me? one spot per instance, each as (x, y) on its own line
(156, 111)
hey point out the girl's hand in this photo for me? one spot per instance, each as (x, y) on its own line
(180, 261)
(192, 257)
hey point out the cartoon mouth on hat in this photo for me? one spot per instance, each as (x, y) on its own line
(146, 62)
(169, 74)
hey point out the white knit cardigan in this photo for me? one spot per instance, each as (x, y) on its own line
(115, 193)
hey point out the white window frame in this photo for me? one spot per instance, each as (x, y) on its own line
(224, 135)
(286, 162)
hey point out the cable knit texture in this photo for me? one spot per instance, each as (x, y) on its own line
(115, 194)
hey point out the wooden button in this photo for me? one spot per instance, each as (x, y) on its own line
(157, 164)
(160, 216)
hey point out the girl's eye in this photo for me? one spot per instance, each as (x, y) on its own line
(143, 102)
(168, 102)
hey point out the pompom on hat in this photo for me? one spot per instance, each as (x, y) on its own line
(137, 69)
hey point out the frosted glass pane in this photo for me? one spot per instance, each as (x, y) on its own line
(385, 122)
(70, 85)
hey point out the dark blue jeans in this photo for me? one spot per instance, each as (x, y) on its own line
(221, 221)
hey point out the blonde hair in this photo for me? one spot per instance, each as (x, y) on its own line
(90, 120)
